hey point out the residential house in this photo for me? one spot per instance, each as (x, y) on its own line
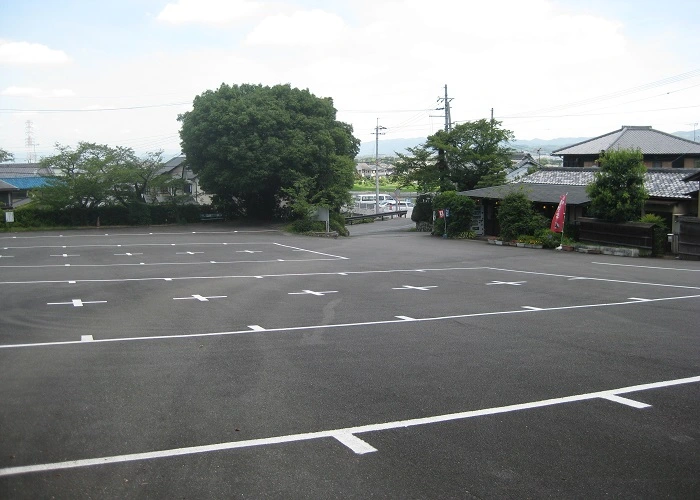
(660, 150)
(673, 172)
(177, 168)
(522, 163)
(17, 179)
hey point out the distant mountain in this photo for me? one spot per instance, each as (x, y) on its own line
(546, 146)
(390, 146)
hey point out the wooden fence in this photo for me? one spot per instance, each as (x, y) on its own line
(689, 238)
(629, 234)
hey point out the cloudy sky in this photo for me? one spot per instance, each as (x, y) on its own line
(119, 72)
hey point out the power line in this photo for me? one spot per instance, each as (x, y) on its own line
(126, 108)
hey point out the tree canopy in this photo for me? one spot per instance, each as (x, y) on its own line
(472, 154)
(96, 174)
(256, 148)
(5, 156)
(617, 192)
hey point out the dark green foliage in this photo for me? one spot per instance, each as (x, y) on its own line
(617, 192)
(307, 226)
(461, 209)
(517, 216)
(337, 224)
(32, 216)
(423, 209)
(549, 238)
(255, 146)
(472, 154)
(660, 232)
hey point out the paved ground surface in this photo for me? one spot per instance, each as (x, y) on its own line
(219, 362)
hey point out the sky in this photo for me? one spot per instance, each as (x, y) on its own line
(120, 72)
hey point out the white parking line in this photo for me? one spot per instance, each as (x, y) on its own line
(76, 303)
(648, 267)
(360, 324)
(347, 435)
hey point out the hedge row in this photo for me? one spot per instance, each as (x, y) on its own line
(137, 214)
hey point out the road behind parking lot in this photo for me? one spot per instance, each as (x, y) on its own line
(219, 361)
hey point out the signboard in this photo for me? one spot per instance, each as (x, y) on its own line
(9, 216)
(441, 214)
(322, 214)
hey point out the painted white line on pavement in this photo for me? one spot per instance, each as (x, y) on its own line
(626, 401)
(256, 328)
(311, 251)
(244, 276)
(354, 443)
(86, 338)
(349, 325)
(607, 280)
(40, 266)
(532, 308)
(344, 435)
(648, 267)
(405, 318)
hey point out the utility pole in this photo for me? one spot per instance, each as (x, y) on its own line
(448, 117)
(377, 133)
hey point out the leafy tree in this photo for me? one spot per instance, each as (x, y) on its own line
(256, 148)
(617, 192)
(95, 174)
(516, 216)
(5, 156)
(472, 154)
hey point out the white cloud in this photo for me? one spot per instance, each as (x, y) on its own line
(36, 92)
(25, 53)
(313, 27)
(209, 11)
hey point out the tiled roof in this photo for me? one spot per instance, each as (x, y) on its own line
(538, 193)
(648, 140)
(15, 170)
(174, 162)
(660, 183)
(25, 182)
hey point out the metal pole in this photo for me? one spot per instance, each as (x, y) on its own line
(376, 168)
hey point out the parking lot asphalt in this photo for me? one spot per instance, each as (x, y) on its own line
(219, 361)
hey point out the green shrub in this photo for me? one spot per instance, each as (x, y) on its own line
(423, 209)
(516, 216)
(549, 239)
(461, 209)
(307, 226)
(660, 233)
(337, 224)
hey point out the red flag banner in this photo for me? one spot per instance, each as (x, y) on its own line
(558, 219)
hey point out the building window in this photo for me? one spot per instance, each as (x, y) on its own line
(657, 164)
(188, 188)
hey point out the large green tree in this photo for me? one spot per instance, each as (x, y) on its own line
(472, 154)
(257, 148)
(617, 192)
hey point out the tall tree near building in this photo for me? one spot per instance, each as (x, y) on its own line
(257, 148)
(617, 192)
(472, 154)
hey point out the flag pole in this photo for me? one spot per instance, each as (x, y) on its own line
(563, 219)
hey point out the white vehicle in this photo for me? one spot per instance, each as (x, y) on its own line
(392, 206)
(370, 199)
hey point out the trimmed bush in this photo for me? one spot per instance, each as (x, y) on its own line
(516, 216)
(461, 209)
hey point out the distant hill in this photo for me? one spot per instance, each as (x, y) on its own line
(389, 147)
